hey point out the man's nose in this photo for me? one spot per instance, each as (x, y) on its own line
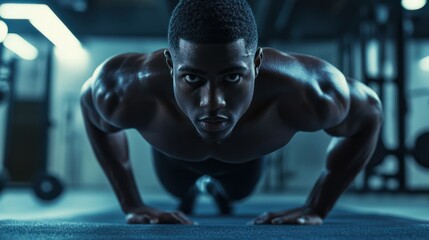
(212, 98)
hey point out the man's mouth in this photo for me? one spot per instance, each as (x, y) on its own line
(213, 123)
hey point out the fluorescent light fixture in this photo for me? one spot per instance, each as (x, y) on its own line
(3, 31)
(413, 4)
(21, 11)
(44, 20)
(424, 64)
(20, 46)
(55, 30)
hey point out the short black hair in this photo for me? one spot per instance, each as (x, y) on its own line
(212, 22)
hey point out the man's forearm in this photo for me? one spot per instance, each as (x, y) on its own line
(346, 158)
(111, 150)
(326, 192)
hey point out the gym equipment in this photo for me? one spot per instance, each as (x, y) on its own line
(4, 91)
(421, 150)
(4, 179)
(383, 23)
(47, 187)
(28, 167)
(379, 154)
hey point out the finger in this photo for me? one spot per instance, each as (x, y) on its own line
(309, 220)
(256, 221)
(154, 221)
(295, 218)
(314, 220)
(184, 217)
(170, 218)
(299, 220)
(289, 218)
(264, 218)
(137, 219)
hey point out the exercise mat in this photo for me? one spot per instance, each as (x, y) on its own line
(109, 224)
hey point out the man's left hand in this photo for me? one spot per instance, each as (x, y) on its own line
(300, 216)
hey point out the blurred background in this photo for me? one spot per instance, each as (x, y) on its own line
(48, 51)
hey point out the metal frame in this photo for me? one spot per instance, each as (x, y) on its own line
(394, 30)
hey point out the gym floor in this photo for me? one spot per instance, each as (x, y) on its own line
(20, 204)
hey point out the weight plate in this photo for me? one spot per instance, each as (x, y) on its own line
(379, 155)
(47, 187)
(421, 150)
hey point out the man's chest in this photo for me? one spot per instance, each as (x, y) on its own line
(260, 132)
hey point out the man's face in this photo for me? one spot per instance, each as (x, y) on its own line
(213, 85)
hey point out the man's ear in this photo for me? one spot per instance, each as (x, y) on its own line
(168, 60)
(258, 60)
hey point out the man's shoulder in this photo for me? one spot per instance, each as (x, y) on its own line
(122, 84)
(302, 70)
(130, 63)
(309, 87)
(293, 60)
(129, 71)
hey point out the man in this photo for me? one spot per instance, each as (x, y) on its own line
(214, 104)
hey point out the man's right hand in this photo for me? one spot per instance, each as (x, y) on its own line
(148, 215)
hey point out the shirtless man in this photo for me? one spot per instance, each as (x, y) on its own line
(215, 104)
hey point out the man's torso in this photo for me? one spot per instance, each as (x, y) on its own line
(147, 88)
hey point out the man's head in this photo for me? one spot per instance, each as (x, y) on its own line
(212, 22)
(214, 61)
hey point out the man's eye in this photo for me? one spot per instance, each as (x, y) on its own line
(233, 78)
(192, 79)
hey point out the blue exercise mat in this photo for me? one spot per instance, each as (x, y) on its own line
(340, 224)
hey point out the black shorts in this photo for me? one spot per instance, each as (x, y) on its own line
(237, 179)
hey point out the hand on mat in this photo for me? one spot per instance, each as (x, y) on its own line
(301, 216)
(148, 215)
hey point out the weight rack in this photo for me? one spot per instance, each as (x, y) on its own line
(385, 21)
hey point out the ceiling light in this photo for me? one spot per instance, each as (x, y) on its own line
(413, 4)
(3, 31)
(44, 20)
(20, 46)
(20, 11)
